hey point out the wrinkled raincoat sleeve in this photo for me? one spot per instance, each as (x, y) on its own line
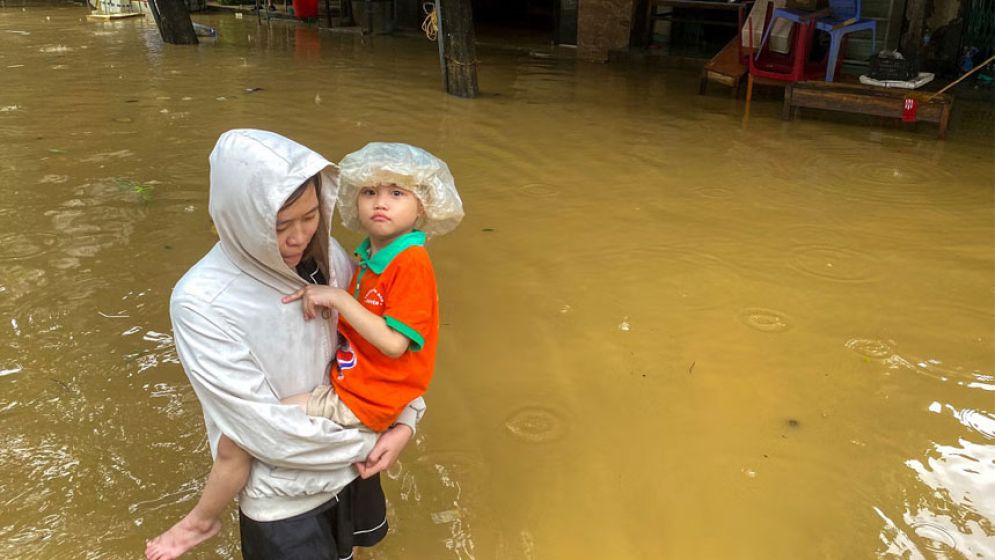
(412, 414)
(237, 399)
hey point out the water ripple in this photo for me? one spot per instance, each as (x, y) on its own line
(834, 263)
(15, 246)
(536, 424)
(539, 190)
(902, 181)
(979, 421)
(871, 348)
(937, 539)
(765, 320)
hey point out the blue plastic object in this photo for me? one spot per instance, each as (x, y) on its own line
(844, 18)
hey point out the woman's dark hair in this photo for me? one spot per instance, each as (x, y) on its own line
(299, 192)
(317, 248)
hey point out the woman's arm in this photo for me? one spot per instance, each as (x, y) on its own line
(238, 400)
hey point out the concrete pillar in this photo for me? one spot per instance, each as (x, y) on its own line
(602, 25)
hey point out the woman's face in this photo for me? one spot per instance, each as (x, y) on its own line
(296, 224)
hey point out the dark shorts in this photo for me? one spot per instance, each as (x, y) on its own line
(356, 517)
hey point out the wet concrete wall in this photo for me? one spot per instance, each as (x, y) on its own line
(944, 11)
(602, 25)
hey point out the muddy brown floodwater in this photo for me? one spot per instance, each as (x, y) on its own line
(665, 335)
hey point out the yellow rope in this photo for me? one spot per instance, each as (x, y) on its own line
(431, 24)
(455, 62)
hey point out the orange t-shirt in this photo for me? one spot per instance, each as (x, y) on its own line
(398, 284)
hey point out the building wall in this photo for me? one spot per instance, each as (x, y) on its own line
(602, 25)
(944, 11)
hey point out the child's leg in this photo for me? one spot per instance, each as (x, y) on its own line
(228, 475)
(299, 400)
(322, 401)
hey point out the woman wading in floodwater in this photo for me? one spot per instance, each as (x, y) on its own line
(244, 350)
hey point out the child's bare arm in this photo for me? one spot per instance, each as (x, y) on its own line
(371, 327)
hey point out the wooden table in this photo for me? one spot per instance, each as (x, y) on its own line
(866, 100)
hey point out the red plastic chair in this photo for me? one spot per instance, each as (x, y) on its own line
(792, 67)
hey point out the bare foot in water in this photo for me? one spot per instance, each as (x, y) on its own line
(180, 538)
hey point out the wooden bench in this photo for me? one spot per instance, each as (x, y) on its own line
(866, 100)
(724, 68)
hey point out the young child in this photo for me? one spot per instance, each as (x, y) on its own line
(388, 321)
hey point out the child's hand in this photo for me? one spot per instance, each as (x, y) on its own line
(314, 296)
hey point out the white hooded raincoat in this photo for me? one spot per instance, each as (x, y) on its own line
(244, 350)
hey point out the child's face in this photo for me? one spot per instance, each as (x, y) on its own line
(387, 212)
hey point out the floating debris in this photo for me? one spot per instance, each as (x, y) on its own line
(56, 49)
(117, 316)
(448, 516)
(625, 326)
(144, 191)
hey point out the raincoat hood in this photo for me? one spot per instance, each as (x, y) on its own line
(253, 172)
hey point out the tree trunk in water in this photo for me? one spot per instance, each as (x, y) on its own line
(173, 20)
(460, 47)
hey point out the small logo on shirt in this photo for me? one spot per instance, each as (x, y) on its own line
(373, 298)
(345, 358)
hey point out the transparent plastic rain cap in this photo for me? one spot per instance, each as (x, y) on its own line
(411, 168)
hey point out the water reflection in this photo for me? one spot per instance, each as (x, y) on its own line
(954, 519)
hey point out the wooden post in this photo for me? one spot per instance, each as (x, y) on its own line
(173, 20)
(460, 47)
(346, 13)
(440, 42)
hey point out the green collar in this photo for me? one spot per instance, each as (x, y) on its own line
(378, 262)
